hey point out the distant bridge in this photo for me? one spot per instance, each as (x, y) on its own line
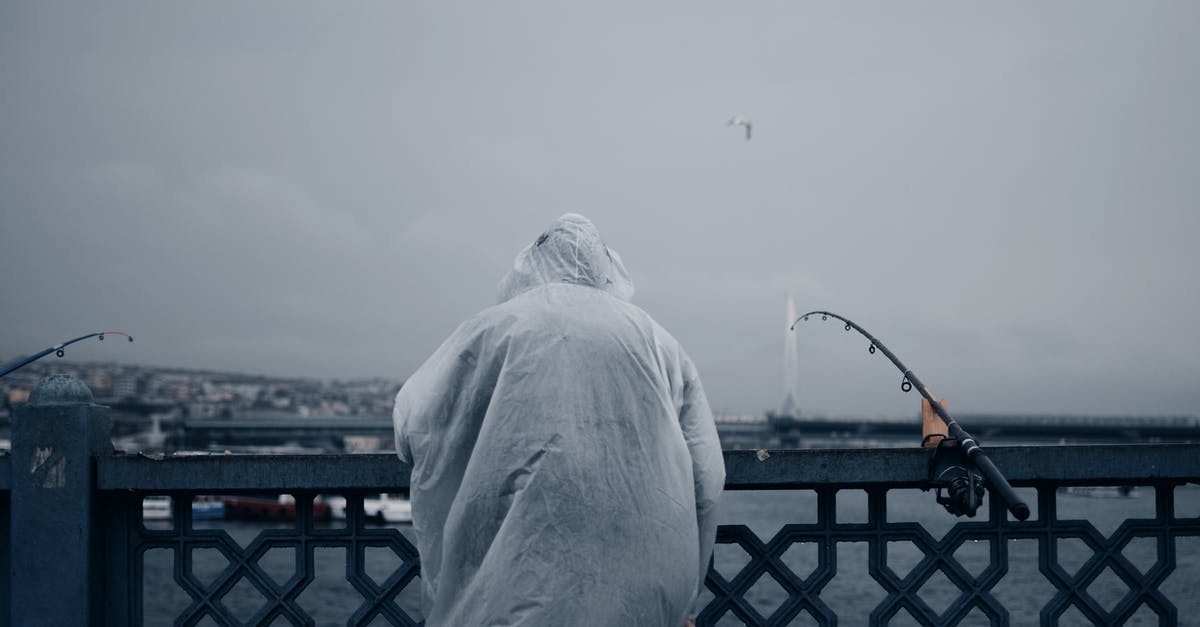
(1030, 427)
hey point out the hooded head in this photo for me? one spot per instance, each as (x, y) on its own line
(569, 251)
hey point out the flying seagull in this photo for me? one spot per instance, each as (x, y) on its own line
(742, 121)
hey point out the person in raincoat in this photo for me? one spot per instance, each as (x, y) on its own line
(565, 464)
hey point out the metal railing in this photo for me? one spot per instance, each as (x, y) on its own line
(79, 546)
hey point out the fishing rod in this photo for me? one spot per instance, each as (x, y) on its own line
(58, 349)
(1015, 505)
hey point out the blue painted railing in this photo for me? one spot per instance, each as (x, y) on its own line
(78, 549)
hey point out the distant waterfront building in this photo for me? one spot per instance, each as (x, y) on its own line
(202, 410)
(170, 385)
(125, 386)
(365, 443)
(100, 380)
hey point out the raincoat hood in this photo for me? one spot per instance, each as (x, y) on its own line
(565, 464)
(569, 251)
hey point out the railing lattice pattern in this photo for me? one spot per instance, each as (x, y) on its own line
(801, 591)
(975, 592)
(281, 599)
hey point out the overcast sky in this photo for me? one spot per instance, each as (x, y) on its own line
(1006, 195)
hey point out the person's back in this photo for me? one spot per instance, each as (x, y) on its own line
(561, 446)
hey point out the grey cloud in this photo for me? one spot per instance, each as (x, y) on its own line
(1004, 194)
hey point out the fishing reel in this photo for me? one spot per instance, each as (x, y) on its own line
(950, 469)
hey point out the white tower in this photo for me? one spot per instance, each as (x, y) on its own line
(791, 363)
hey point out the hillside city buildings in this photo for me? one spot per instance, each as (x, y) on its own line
(198, 394)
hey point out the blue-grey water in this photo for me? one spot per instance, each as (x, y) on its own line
(330, 599)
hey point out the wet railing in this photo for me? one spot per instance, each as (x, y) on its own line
(1091, 577)
(856, 540)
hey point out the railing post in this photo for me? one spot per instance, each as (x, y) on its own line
(57, 574)
(5, 549)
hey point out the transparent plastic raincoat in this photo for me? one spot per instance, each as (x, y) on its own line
(565, 464)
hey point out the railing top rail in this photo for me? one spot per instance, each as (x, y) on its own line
(270, 473)
(784, 469)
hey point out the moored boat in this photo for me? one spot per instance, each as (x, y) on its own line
(260, 508)
(203, 508)
(207, 508)
(380, 508)
(156, 508)
(1101, 491)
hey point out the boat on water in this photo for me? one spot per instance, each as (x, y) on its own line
(203, 508)
(207, 508)
(156, 508)
(380, 508)
(1102, 491)
(282, 507)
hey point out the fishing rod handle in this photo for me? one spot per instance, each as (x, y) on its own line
(1014, 503)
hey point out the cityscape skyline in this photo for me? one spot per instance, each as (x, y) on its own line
(209, 393)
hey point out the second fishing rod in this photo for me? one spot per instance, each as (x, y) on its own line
(995, 478)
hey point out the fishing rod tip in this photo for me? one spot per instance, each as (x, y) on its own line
(103, 333)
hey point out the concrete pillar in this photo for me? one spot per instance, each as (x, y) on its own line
(57, 575)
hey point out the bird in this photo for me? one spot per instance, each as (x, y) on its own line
(741, 120)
